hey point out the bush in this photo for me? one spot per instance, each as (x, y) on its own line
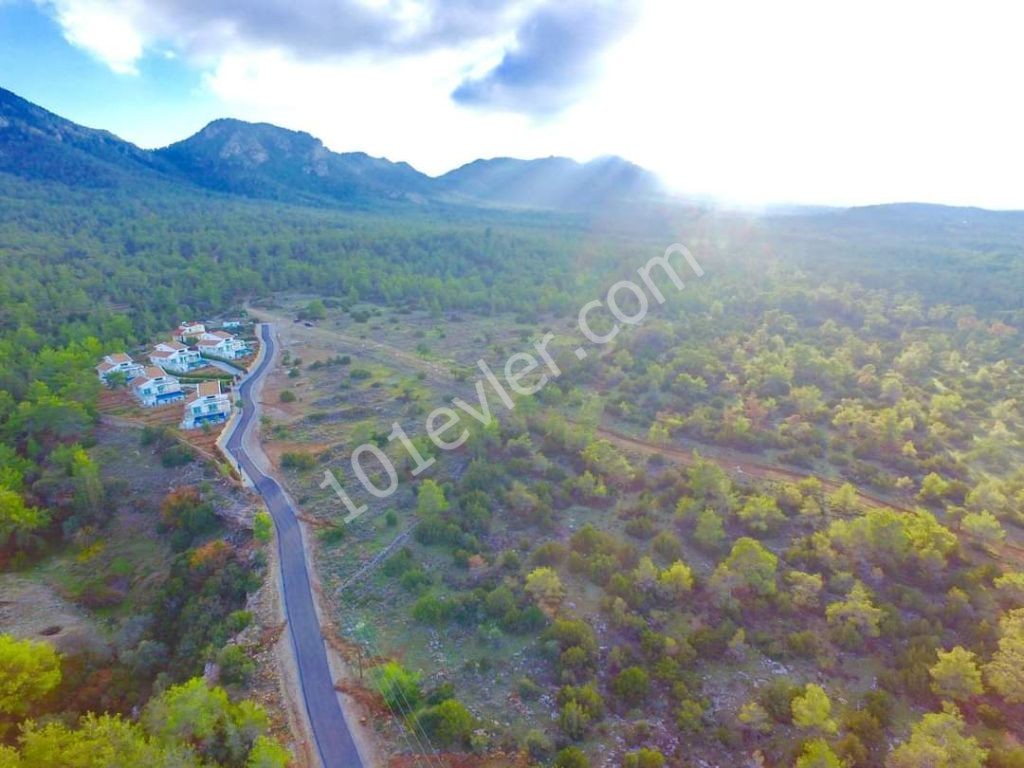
(537, 745)
(528, 690)
(184, 512)
(238, 620)
(399, 563)
(449, 723)
(777, 699)
(176, 456)
(631, 685)
(158, 436)
(299, 461)
(235, 665)
(415, 580)
(644, 758)
(287, 396)
(399, 687)
(429, 610)
(334, 534)
(262, 527)
(571, 757)
(804, 644)
(1006, 757)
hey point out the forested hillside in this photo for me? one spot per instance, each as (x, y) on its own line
(872, 354)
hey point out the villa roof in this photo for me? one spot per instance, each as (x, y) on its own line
(150, 372)
(119, 357)
(205, 389)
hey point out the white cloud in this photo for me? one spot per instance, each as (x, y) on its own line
(788, 101)
(106, 30)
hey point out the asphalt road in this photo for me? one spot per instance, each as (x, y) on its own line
(330, 731)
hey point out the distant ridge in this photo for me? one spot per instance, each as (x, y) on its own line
(553, 182)
(38, 144)
(260, 160)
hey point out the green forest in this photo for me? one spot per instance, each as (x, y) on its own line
(861, 369)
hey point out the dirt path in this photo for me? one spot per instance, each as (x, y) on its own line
(735, 463)
(739, 465)
(376, 351)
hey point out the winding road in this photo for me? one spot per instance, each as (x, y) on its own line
(330, 730)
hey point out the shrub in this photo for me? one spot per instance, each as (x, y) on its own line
(631, 685)
(159, 436)
(299, 461)
(287, 396)
(238, 620)
(235, 665)
(429, 610)
(184, 512)
(571, 757)
(399, 687)
(415, 580)
(777, 698)
(644, 758)
(176, 456)
(262, 526)
(399, 563)
(448, 723)
(528, 690)
(537, 745)
(334, 534)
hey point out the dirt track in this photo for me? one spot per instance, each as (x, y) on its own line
(737, 464)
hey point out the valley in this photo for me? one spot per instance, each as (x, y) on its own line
(779, 522)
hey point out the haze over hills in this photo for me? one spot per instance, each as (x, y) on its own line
(552, 182)
(265, 161)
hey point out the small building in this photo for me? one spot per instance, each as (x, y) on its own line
(222, 344)
(187, 331)
(231, 325)
(207, 405)
(118, 363)
(175, 356)
(154, 387)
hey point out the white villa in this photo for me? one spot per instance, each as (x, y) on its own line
(116, 363)
(154, 387)
(207, 405)
(187, 331)
(175, 356)
(222, 344)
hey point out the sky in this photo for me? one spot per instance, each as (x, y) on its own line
(743, 100)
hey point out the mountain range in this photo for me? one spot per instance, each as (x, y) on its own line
(260, 160)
